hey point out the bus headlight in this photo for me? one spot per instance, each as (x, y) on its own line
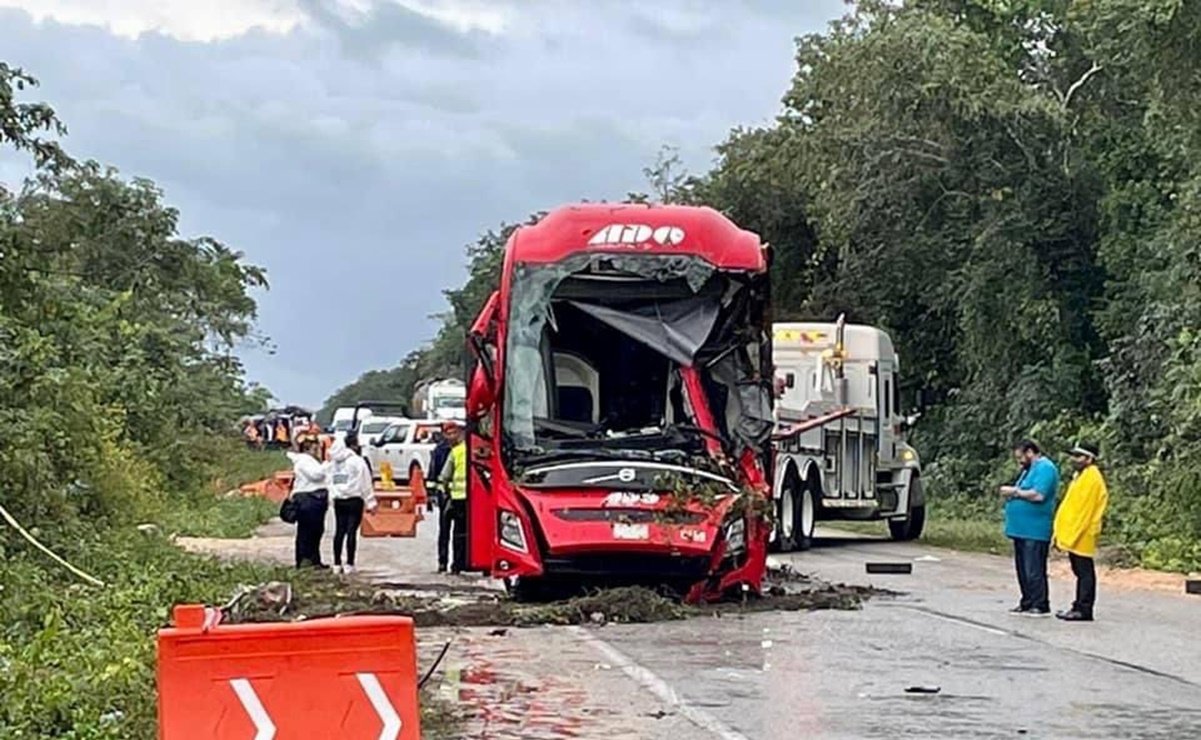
(736, 536)
(511, 534)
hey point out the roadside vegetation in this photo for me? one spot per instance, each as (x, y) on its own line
(1013, 191)
(118, 389)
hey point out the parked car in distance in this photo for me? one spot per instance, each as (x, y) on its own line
(372, 427)
(407, 446)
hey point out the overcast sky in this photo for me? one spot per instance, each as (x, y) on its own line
(353, 147)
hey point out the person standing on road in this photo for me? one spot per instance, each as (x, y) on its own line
(453, 478)
(1029, 509)
(311, 495)
(437, 460)
(353, 491)
(1078, 525)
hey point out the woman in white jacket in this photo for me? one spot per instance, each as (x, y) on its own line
(311, 495)
(353, 490)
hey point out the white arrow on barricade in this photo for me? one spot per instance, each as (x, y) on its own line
(383, 707)
(264, 727)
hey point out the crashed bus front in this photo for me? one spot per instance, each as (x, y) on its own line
(621, 403)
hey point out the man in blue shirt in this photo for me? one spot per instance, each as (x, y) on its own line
(1029, 515)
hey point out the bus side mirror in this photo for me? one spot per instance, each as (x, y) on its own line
(480, 394)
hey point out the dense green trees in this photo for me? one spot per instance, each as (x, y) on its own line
(1013, 189)
(116, 334)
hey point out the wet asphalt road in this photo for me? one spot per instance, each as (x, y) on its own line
(1134, 673)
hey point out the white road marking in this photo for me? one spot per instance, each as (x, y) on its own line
(660, 688)
(264, 727)
(957, 620)
(383, 706)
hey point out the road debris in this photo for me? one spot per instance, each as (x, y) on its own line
(318, 596)
(890, 568)
(923, 689)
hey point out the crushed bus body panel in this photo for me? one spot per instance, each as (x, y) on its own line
(620, 409)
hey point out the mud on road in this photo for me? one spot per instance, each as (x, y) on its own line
(451, 605)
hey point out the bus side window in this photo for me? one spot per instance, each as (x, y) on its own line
(886, 402)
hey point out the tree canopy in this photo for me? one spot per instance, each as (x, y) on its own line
(116, 333)
(1012, 189)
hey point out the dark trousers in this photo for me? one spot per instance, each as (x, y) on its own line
(1030, 559)
(348, 515)
(310, 526)
(454, 513)
(1086, 583)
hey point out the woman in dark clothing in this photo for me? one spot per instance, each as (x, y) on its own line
(311, 494)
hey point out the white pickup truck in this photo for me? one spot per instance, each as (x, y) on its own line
(406, 446)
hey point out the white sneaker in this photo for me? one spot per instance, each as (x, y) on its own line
(338, 570)
(348, 570)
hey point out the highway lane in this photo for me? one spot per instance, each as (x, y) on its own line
(1134, 673)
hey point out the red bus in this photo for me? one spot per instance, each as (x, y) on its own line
(620, 405)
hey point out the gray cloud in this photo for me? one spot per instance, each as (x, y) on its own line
(354, 160)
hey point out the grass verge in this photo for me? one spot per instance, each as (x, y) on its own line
(218, 510)
(971, 535)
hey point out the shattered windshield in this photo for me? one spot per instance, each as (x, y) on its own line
(597, 349)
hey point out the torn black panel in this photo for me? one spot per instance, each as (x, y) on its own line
(677, 329)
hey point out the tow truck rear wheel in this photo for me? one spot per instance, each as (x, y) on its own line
(786, 517)
(806, 518)
(910, 528)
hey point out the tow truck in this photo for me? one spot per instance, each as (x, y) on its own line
(840, 436)
(619, 408)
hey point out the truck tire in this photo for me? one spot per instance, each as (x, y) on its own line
(909, 528)
(806, 518)
(786, 517)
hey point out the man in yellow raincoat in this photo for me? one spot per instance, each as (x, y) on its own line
(1077, 526)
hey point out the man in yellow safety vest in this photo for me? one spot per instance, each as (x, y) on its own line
(453, 478)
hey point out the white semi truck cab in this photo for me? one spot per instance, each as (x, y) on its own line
(840, 450)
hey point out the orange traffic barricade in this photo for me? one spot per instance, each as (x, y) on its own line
(350, 678)
(417, 485)
(397, 515)
(276, 488)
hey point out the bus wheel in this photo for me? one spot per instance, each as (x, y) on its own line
(525, 590)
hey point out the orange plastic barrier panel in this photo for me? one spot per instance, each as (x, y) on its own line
(397, 515)
(349, 678)
(275, 488)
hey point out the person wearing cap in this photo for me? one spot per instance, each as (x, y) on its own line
(438, 459)
(453, 478)
(1078, 525)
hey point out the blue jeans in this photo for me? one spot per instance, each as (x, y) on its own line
(1030, 559)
